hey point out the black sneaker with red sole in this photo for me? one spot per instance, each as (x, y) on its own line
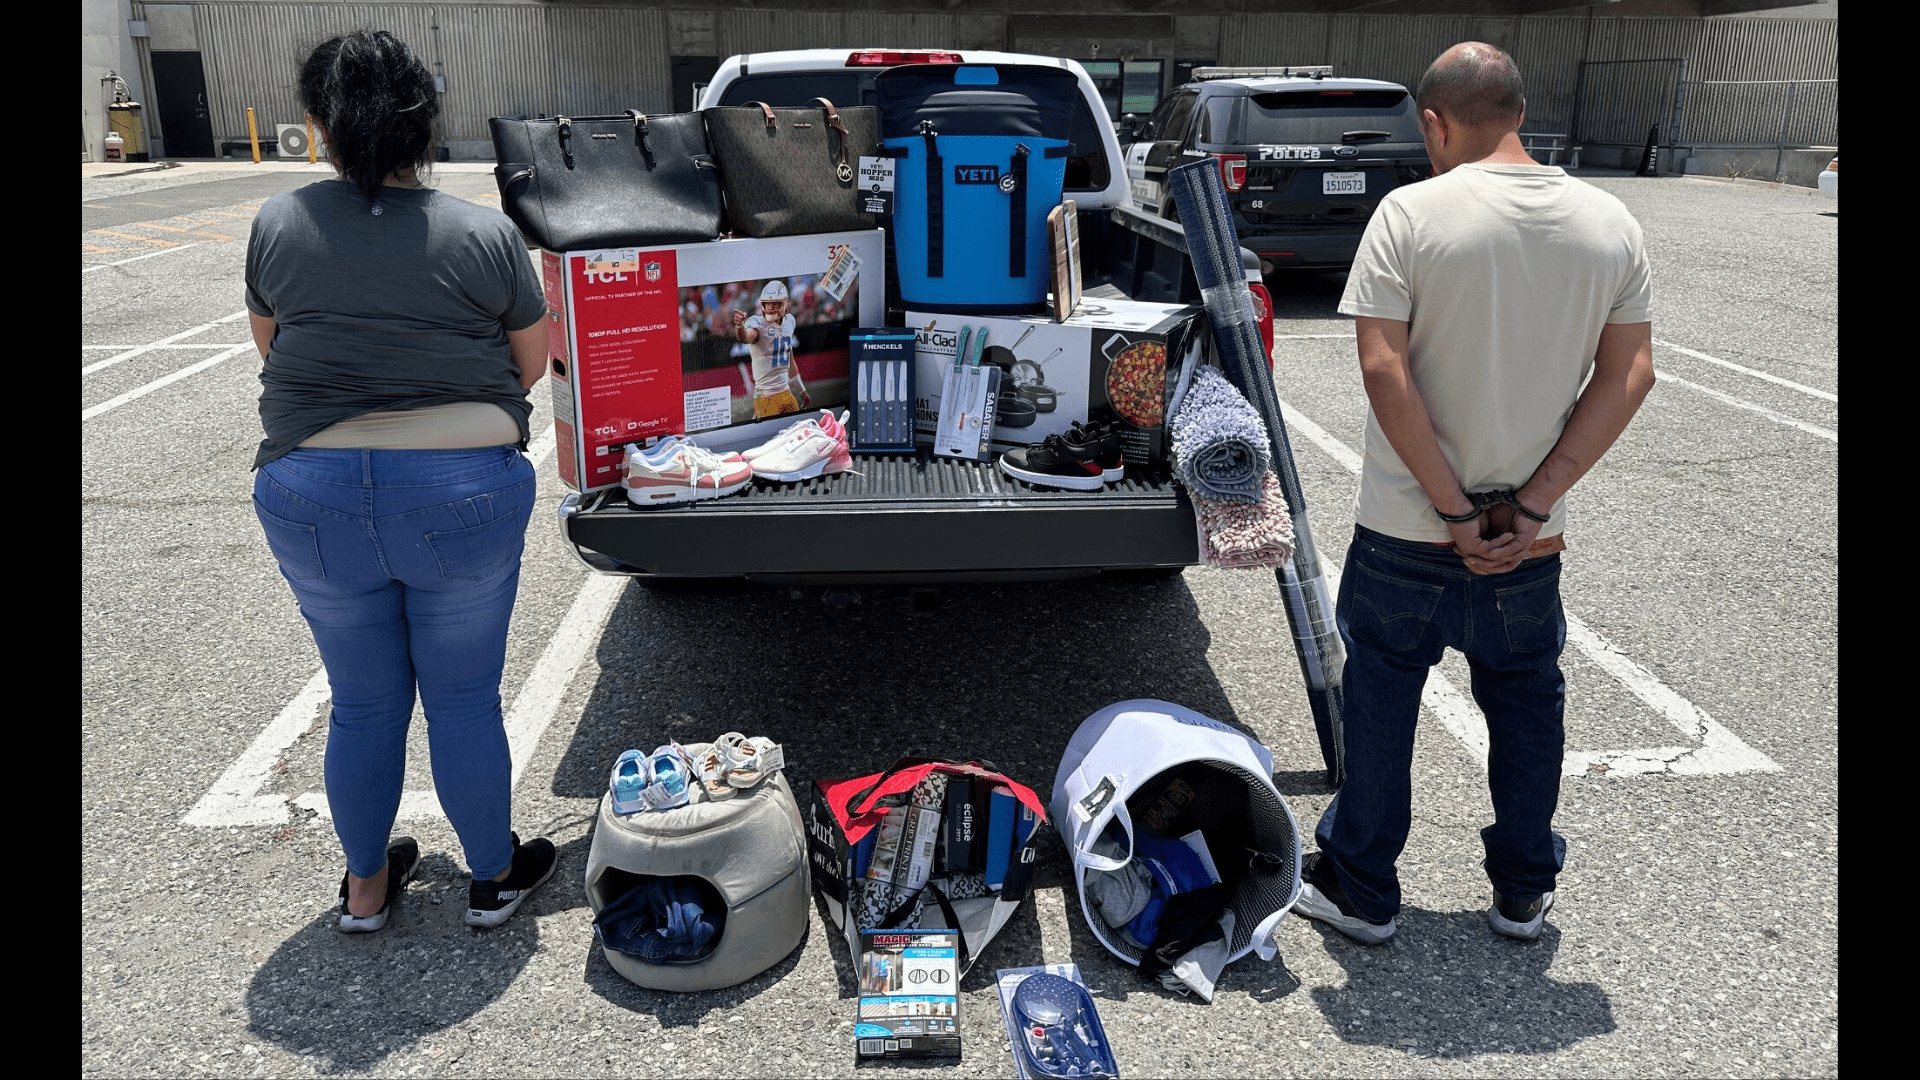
(1057, 462)
(1105, 438)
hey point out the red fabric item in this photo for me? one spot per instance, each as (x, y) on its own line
(855, 802)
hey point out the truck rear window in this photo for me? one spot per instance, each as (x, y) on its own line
(1324, 116)
(1087, 168)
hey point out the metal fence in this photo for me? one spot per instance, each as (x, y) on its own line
(1761, 112)
(1619, 101)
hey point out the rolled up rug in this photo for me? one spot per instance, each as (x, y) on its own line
(1240, 536)
(1220, 446)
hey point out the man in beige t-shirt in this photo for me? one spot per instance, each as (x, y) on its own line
(1503, 323)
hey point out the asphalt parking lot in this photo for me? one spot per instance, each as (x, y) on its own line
(1697, 928)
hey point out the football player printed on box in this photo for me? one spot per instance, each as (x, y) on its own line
(777, 388)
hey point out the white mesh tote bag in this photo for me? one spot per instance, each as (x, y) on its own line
(1139, 775)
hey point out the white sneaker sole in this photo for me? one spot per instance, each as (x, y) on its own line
(804, 472)
(1113, 476)
(1074, 483)
(489, 919)
(1313, 905)
(663, 496)
(1526, 931)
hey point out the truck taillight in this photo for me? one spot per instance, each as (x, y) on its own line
(1263, 307)
(888, 58)
(1233, 171)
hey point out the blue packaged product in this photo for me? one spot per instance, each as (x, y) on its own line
(982, 159)
(1053, 1025)
(1002, 810)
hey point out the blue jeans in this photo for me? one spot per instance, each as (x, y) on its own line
(1402, 603)
(405, 563)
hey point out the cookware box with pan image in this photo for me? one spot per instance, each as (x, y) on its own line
(1108, 362)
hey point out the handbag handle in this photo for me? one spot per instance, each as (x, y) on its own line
(565, 129)
(640, 136)
(842, 169)
(766, 110)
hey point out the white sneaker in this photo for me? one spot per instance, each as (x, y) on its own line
(686, 474)
(804, 458)
(826, 423)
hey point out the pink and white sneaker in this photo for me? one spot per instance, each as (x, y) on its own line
(803, 458)
(827, 423)
(685, 473)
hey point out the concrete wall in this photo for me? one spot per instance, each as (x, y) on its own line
(104, 46)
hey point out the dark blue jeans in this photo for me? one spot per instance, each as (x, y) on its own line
(405, 563)
(1401, 605)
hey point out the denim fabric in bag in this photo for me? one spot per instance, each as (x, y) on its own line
(1402, 605)
(406, 564)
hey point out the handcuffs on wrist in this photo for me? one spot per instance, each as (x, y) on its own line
(1487, 500)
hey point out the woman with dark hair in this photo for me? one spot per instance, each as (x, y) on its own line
(402, 329)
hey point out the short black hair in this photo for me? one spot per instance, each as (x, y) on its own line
(377, 102)
(1474, 83)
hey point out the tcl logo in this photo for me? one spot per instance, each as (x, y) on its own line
(606, 276)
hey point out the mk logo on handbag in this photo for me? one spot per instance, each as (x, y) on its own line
(976, 174)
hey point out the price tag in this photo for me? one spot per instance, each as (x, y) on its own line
(614, 261)
(842, 273)
(874, 188)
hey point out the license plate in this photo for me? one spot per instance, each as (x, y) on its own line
(1343, 183)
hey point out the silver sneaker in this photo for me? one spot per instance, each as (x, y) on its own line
(1523, 922)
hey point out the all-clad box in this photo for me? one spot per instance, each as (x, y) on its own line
(646, 342)
(1111, 361)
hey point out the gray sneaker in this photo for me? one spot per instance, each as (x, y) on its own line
(1517, 919)
(1322, 898)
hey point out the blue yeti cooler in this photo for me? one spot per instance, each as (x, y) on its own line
(982, 157)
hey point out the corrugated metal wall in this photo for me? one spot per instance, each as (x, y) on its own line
(525, 59)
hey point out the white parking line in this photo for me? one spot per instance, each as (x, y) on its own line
(155, 348)
(234, 799)
(1756, 373)
(148, 255)
(163, 342)
(1738, 403)
(1719, 750)
(112, 403)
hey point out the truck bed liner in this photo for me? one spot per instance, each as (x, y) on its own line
(896, 515)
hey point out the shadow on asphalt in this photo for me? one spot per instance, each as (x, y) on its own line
(351, 1000)
(1445, 986)
(674, 1010)
(1002, 673)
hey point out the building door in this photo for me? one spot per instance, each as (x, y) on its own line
(180, 87)
(690, 72)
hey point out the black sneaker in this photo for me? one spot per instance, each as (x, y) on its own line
(1322, 898)
(1522, 920)
(403, 858)
(1105, 438)
(1057, 462)
(490, 903)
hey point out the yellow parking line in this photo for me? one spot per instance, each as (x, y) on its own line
(156, 242)
(96, 249)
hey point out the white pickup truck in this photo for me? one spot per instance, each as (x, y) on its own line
(913, 518)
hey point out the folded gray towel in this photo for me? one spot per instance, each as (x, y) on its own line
(1220, 447)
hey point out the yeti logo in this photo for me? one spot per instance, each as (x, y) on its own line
(977, 174)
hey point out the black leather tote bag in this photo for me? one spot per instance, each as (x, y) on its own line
(791, 171)
(607, 181)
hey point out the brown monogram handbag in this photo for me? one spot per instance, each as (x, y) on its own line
(787, 172)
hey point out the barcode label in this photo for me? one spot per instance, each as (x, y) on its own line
(871, 1046)
(842, 274)
(614, 261)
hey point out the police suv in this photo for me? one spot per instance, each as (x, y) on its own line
(1305, 157)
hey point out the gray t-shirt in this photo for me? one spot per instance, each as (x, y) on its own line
(401, 305)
